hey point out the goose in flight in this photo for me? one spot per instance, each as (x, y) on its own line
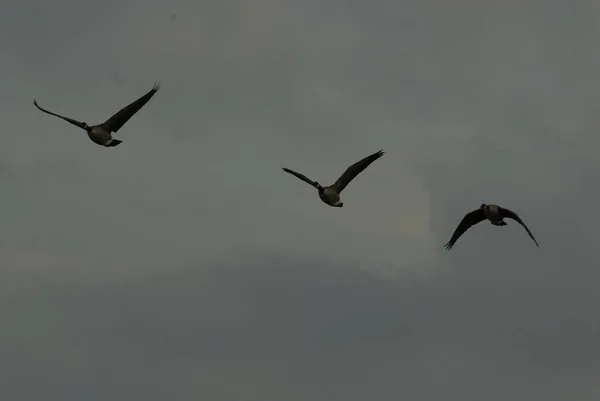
(331, 194)
(494, 213)
(101, 134)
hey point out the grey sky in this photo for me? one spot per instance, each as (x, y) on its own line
(184, 264)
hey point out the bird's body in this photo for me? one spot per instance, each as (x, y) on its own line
(330, 195)
(101, 134)
(494, 214)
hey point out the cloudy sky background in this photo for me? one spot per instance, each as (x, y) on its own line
(184, 264)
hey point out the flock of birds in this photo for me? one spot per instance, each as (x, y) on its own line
(102, 134)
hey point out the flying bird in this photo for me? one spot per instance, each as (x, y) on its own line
(331, 194)
(101, 134)
(494, 213)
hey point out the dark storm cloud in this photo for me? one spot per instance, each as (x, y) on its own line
(275, 328)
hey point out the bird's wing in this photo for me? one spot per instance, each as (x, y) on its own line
(354, 170)
(507, 213)
(470, 219)
(76, 123)
(115, 123)
(301, 176)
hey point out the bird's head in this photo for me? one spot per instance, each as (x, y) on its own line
(483, 205)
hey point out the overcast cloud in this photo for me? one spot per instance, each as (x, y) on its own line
(184, 264)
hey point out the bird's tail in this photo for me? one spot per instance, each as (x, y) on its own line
(113, 142)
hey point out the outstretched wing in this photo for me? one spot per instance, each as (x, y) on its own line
(76, 123)
(301, 176)
(115, 123)
(507, 213)
(470, 219)
(354, 170)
